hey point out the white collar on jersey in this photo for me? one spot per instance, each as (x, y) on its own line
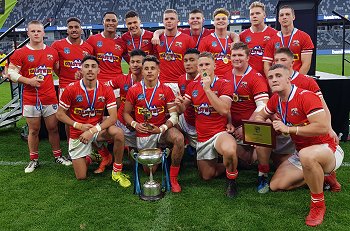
(31, 48)
(251, 30)
(82, 87)
(195, 78)
(279, 33)
(81, 42)
(115, 37)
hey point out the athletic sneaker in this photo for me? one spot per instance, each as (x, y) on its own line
(121, 178)
(106, 161)
(231, 188)
(33, 164)
(263, 184)
(315, 216)
(331, 181)
(63, 160)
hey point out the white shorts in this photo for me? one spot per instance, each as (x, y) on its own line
(174, 87)
(206, 150)
(284, 145)
(33, 111)
(338, 155)
(150, 141)
(189, 130)
(78, 149)
(129, 136)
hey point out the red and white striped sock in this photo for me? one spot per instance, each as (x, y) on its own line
(231, 175)
(34, 155)
(57, 153)
(117, 167)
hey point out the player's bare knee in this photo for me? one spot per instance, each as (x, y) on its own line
(207, 175)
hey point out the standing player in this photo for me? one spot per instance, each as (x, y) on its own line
(317, 153)
(211, 98)
(257, 36)
(81, 107)
(108, 48)
(136, 38)
(219, 42)
(33, 66)
(150, 100)
(296, 40)
(173, 45)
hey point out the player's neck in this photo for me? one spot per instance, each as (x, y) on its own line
(240, 71)
(284, 94)
(138, 34)
(136, 78)
(258, 28)
(171, 32)
(108, 34)
(151, 84)
(196, 31)
(37, 46)
(90, 84)
(221, 33)
(286, 31)
(74, 41)
(191, 76)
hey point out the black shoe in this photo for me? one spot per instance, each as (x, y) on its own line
(231, 188)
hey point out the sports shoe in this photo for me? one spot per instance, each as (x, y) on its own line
(121, 178)
(33, 164)
(231, 188)
(106, 161)
(175, 186)
(315, 216)
(63, 160)
(263, 184)
(331, 180)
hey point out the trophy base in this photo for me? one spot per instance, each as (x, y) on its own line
(152, 198)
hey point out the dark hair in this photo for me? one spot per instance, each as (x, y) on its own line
(137, 52)
(240, 45)
(285, 50)
(89, 57)
(110, 12)
(131, 14)
(150, 58)
(192, 51)
(73, 19)
(286, 7)
(196, 11)
(206, 54)
(277, 66)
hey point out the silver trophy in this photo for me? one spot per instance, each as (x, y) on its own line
(151, 190)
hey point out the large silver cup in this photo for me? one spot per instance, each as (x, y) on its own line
(151, 190)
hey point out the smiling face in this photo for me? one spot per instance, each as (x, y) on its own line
(110, 23)
(195, 21)
(134, 25)
(74, 30)
(239, 59)
(220, 21)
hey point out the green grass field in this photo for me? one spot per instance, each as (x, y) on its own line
(332, 64)
(51, 199)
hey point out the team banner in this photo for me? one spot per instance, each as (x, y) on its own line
(8, 6)
(259, 133)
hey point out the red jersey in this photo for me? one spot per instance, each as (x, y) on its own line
(256, 41)
(197, 38)
(37, 64)
(109, 52)
(222, 56)
(301, 104)
(74, 99)
(171, 59)
(142, 42)
(158, 106)
(306, 82)
(123, 82)
(208, 121)
(251, 87)
(189, 113)
(70, 56)
(298, 42)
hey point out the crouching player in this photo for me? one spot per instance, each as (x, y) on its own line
(84, 101)
(304, 119)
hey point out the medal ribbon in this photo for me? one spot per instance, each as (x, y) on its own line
(149, 104)
(295, 73)
(168, 47)
(284, 115)
(222, 47)
(132, 40)
(91, 105)
(290, 38)
(239, 82)
(199, 37)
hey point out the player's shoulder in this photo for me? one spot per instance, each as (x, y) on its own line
(58, 42)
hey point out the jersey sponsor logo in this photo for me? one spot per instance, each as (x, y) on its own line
(195, 93)
(101, 99)
(248, 39)
(170, 56)
(140, 97)
(178, 44)
(40, 72)
(31, 58)
(257, 50)
(66, 50)
(72, 64)
(296, 43)
(108, 57)
(214, 44)
(204, 109)
(153, 109)
(294, 111)
(222, 56)
(99, 44)
(79, 98)
(267, 38)
(296, 57)
(88, 112)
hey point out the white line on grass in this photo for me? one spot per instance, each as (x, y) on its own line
(162, 214)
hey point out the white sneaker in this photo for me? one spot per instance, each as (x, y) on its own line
(63, 160)
(33, 164)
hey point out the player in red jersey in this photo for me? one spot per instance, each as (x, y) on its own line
(173, 45)
(257, 36)
(81, 107)
(296, 40)
(136, 38)
(219, 42)
(108, 48)
(249, 97)
(211, 98)
(150, 99)
(303, 118)
(124, 83)
(33, 66)
(285, 146)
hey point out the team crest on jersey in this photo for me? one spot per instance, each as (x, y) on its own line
(126, 87)
(161, 97)
(140, 97)
(99, 43)
(183, 87)
(128, 42)
(161, 43)
(66, 50)
(31, 58)
(277, 45)
(244, 84)
(195, 93)
(79, 98)
(49, 57)
(294, 111)
(214, 44)
(85, 53)
(178, 44)
(117, 47)
(54, 106)
(145, 41)
(248, 39)
(296, 43)
(101, 99)
(267, 38)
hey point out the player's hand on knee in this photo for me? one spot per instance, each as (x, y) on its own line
(86, 127)
(230, 128)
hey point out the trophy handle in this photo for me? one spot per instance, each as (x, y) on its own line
(133, 154)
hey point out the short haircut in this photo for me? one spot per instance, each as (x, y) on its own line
(286, 7)
(277, 66)
(257, 4)
(221, 11)
(150, 58)
(131, 14)
(240, 45)
(196, 11)
(192, 51)
(206, 54)
(137, 52)
(285, 50)
(169, 11)
(90, 57)
(73, 19)
(34, 22)
(110, 12)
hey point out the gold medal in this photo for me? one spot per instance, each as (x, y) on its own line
(40, 76)
(235, 97)
(168, 57)
(225, 60)
(147, 114)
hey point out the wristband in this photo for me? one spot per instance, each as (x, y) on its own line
(163, 128)
(133, 124)
(98, 127)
